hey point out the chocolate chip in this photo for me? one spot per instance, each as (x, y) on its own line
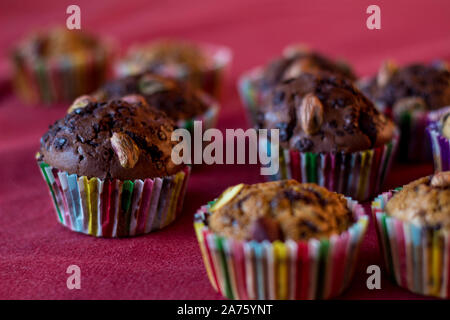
(285, 132)
(161, 135)
(278, 97)
(265, 228)
(333, 124)
(60, 143)
(304, 145)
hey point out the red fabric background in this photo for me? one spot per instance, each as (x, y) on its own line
(35, 250)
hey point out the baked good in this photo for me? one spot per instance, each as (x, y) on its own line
(109, 170)
(296, 61)
(255, 85)
(272, 240)
(201, 66)
(280, 210)
(178, 101)
(59, 65)
(412, 227)
(324, 113)
(425, 202)
(393, 86)
(409, 94)
(94, 136)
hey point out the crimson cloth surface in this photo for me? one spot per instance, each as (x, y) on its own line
(35, 250)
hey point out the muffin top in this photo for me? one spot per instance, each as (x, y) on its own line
(324, 113)
(164, 55)
(296, 61)
(111, 140)
(57, 42)
(279, 210)
(417, 86)
(424, 202)
(176, 100)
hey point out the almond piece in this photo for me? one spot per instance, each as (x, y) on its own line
(226, 196)
(311, 114)
(126, 150)
(387, 69)
(441, 180)
(80, 102)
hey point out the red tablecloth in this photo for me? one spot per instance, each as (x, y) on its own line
(35, 250)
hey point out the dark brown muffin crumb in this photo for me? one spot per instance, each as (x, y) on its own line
(324, 113)
(178, 101)
(114, 139)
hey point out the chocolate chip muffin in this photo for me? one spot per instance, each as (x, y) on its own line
(324, 113)
(59, 65)
(425, 202)
(416, 86)
(178, 101)
(111, 140)
(296, 61)
(279, 210)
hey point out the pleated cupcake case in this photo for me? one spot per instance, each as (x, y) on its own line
(359, 175)
(440, 145)
(251, 93)
(417, 258)
(61, 78)
(314, 269)
(114, 208)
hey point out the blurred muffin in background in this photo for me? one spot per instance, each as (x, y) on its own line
(409, 94)
(180, 102)
(202, 66)
(296, 60)
(59, 65)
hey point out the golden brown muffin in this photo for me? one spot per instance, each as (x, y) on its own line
(425, 201)
(279, 210)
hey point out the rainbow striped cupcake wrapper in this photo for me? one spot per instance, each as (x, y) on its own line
(208, 118)
(359, 175)
(61, 78)
(251, 93)
(417, 258)
(440, 145)
(414, 143)
(209, 80)
(114, 208)
(314, 269)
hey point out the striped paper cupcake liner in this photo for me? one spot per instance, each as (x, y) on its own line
(313, 269)
(251, 94)
(359, 175)
(440, 145)
(114, 208)
(414, 145)
(60, 79)
(417, 258)
(209, 80)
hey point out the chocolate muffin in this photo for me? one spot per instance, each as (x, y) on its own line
(111, 140)
(296, 61)
(424, 202)
(178, 101)
(59, 65)
(324, 113)
(279, 210)
(393, 87)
